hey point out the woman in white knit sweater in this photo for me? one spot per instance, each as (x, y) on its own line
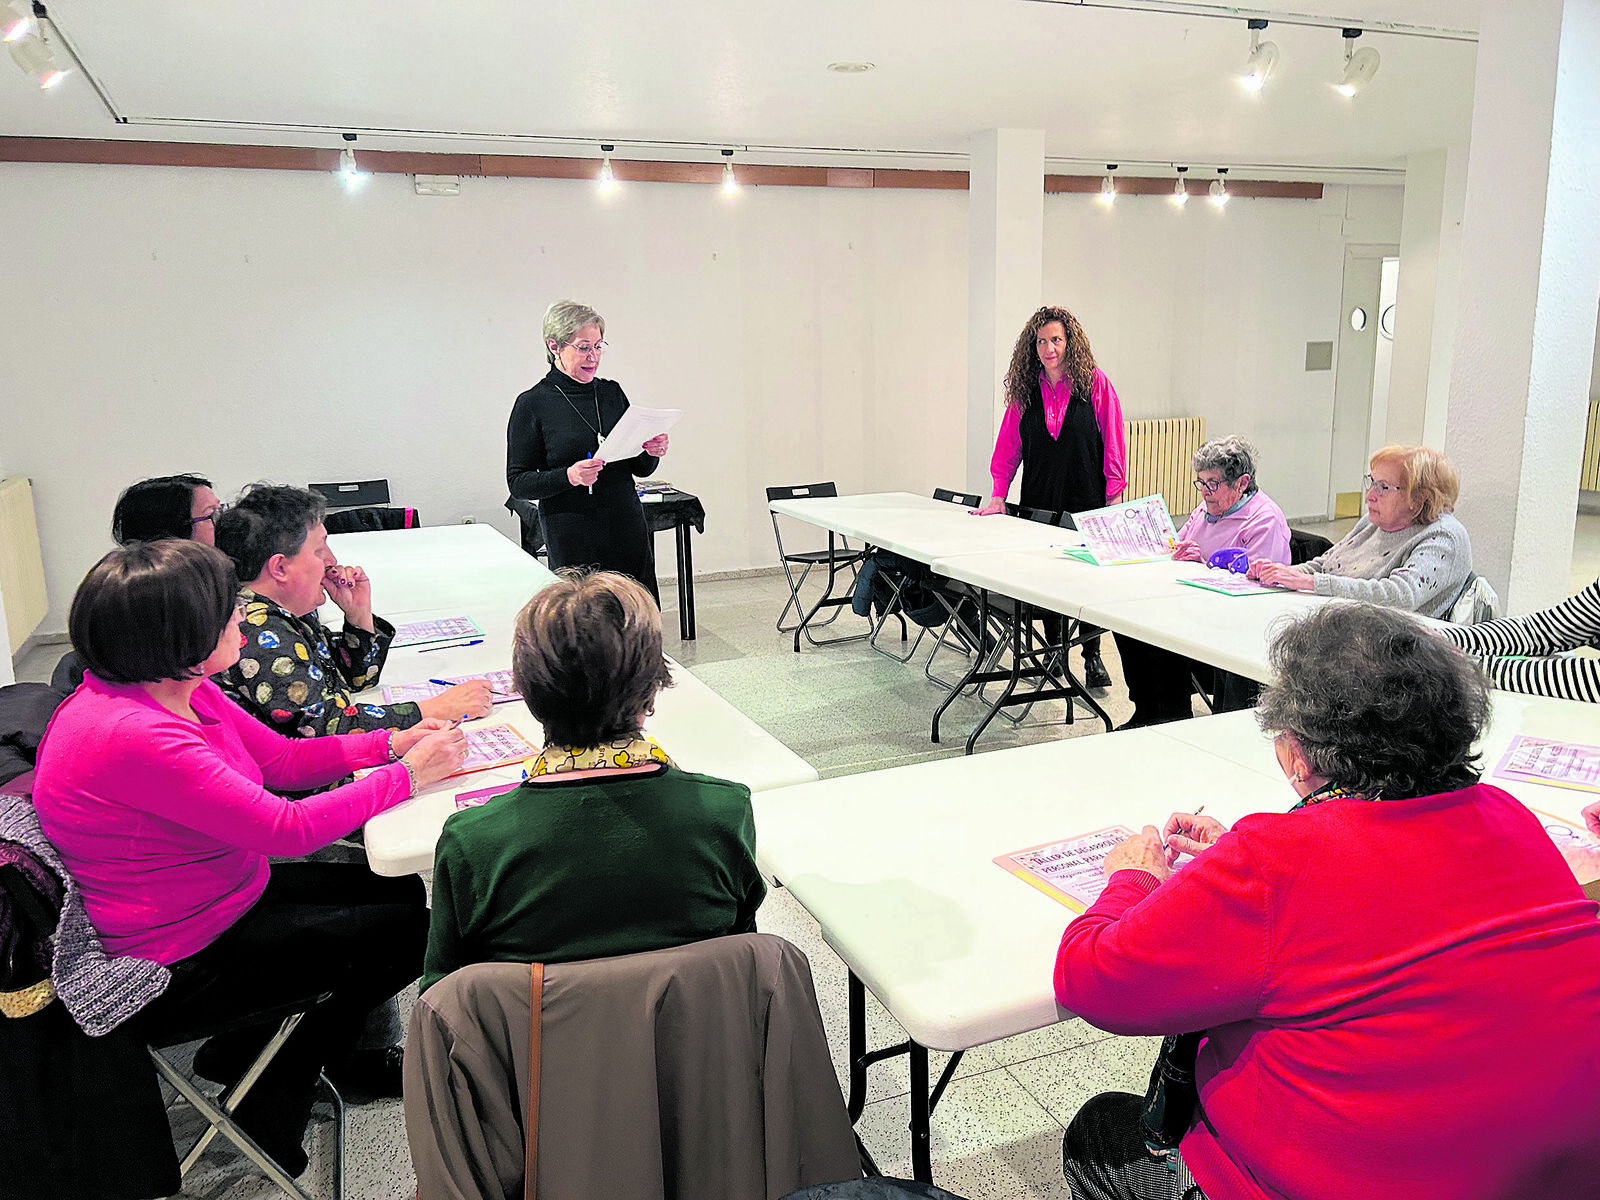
(1407, 552)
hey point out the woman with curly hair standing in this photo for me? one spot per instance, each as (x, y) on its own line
(1063, 426)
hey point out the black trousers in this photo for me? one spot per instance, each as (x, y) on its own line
(1104, 1156)
(333, 927)
(1159, 685)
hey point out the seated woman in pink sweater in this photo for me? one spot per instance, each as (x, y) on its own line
(1398, 980)
(159, 793)
(1233, 514)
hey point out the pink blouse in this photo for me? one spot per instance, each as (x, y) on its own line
(1107, 414)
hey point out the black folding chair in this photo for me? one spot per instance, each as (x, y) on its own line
(1035, 653)
(837, 559)
(362, 506)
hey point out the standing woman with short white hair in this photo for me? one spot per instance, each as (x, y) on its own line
(588, 508)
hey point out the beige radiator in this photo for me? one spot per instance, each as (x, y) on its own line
(21, 569)
(1159, 454)
(1589, 481)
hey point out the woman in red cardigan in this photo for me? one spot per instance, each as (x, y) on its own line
(1399, 978)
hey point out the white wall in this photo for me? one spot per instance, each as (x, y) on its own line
(250, 325)
(1201, 312)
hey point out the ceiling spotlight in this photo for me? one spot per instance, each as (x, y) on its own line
(851, 68)
(730, 185)
(608, 177)
(1108, 187)
(1219, 188)
(1263, 57)
(350, 172)
(16, 21)
(1359, 65)
(33, 54)
(1180, 194)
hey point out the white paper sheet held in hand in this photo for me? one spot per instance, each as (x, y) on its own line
(1132, 532)
(633, 429)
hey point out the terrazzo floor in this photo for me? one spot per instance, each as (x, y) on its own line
(997, 1130)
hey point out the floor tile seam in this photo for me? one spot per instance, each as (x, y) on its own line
(933, 1079)
(1036, 1098)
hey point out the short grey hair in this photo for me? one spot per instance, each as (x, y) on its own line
(563, 319)
(1231, 455)
(1380, 705)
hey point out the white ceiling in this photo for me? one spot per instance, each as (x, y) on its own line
(1106, 82)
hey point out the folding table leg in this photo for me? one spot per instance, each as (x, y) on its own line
(923, 1102)
(685, 582)
(978, 661)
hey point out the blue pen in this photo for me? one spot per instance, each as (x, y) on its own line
(591, 486)
(451, 646)
(442, 682)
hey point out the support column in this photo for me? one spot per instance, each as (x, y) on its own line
(1005, 275)
(1425, 310)
(1529, 287)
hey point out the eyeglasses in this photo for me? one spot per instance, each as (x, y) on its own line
(584, 349)
(1379, 486)
(210, 516)
(1209, 486)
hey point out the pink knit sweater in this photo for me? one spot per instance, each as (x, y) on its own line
(166, 824)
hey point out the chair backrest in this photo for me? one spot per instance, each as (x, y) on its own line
(367, 520)
(1303, 546)
(1045, 516)
(361, 493)
(967, 499)
(801, 491)
(1476, 601)
(644, 1061)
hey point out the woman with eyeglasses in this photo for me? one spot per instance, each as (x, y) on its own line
(1407, 551)
(1063, 427)
(169, 506)
(588, 509)
(1234, 516)
(1398, 980)
(163, 798)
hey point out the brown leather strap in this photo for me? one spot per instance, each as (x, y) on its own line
(530, 1176)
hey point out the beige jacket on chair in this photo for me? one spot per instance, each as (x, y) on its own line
(699, 1072)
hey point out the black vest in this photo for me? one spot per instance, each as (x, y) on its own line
(1066, 473)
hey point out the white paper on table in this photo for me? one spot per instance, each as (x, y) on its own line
(1228, 583)
(493, 746)
(501, 688)
(633, 429)
(1072, 870)
(417, 633)
(1135, 531)
(1543, 760)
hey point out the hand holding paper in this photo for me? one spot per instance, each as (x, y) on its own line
(635, 427)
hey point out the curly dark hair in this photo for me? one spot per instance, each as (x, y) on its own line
(1022, 376)
(1379, 704)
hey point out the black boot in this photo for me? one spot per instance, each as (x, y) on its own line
(1095, 676)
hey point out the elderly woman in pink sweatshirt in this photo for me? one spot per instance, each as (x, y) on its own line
(161, 796)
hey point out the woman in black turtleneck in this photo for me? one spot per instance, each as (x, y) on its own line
(590, 511)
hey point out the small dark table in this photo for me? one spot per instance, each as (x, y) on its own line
(674, 510)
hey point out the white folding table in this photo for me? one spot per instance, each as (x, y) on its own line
(473, 571)
(896, 865)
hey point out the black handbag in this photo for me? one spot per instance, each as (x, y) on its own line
(1172, 1097)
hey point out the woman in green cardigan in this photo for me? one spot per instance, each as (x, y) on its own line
(607, 847)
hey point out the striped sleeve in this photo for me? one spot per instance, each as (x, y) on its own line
(1563, 677)
(1570, 624)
